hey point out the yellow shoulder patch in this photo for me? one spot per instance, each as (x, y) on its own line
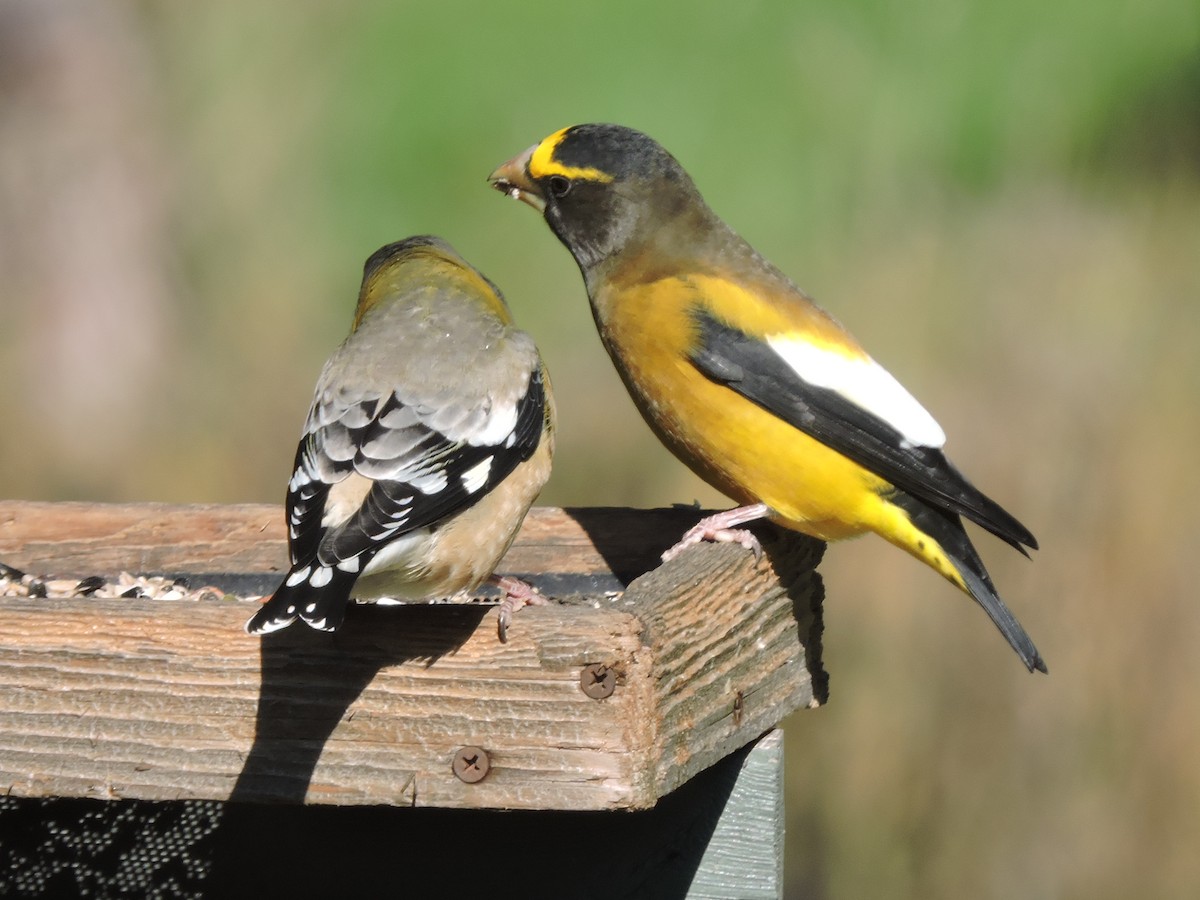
(543, 164)
(775, 315)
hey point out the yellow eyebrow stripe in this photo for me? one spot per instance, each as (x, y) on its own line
(543, 164)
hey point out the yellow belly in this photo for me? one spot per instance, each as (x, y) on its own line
(734, 444)
(749, 454)
(737, 446)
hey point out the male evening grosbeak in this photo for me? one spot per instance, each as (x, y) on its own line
(430, 435)
(743, 377)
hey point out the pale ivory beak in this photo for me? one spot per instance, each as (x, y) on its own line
(512, 179)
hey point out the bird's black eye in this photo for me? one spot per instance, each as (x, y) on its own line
(558, 185)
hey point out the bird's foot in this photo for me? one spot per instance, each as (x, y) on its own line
(517, 595)
(722, 527)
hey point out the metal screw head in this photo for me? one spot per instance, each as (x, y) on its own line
(471, 764)
(597, 681)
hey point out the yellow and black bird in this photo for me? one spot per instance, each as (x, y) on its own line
(429, 436)
(762, 393)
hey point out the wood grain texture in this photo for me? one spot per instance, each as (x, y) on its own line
(171, 700)
(87, 538)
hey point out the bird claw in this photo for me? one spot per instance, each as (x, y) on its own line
(741, 536)
(719, 528)
(699, 534)
(517, 595)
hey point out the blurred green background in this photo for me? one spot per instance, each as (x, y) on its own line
(1001, 200)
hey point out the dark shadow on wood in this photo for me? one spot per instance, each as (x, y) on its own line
(233, 850)
(321, 851)
(310, 678)
(794, 558)
(627, 553)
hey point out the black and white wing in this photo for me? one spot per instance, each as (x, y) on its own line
(853, 406)
(372, 468)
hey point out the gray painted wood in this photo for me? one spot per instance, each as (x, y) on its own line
(744, 857)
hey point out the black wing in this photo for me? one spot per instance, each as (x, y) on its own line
(421, 476)
(753, 369)
(415, 476)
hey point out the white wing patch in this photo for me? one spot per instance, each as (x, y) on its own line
(276, 624)
(428, 481)
(498, 426)
(298, 576)
(476, 477)
(863, 382)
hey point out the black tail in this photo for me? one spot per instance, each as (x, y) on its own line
(321, 607)
(947, 529)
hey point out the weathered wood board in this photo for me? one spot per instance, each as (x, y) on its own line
(155, 699)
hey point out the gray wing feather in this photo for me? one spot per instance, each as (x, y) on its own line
(416, 435)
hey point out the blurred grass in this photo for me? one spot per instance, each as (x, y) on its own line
(1002, 201)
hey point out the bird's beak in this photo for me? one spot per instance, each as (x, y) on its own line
(513, 179)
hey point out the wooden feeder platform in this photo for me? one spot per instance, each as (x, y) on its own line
(638, 677)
